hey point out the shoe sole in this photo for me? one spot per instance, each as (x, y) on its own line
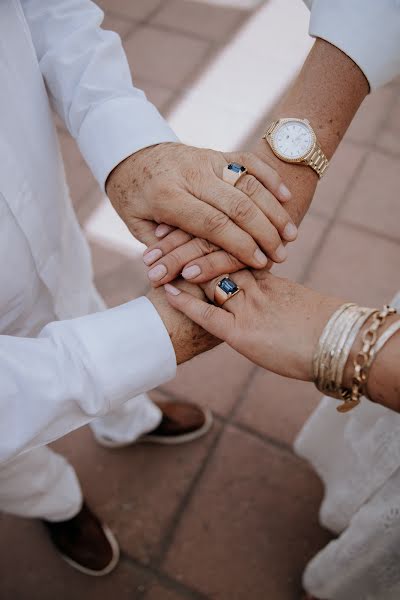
(166, 441)
(182, 439)
(110, 567)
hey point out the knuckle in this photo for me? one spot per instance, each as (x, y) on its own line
(174, 261)
(250, 185)
(208, 312)
(204, 246)
(231, 261)
(243, 210)
(208, 266)
(216, 222)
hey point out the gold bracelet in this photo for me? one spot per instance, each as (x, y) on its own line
(320, 355)
(362, 360)
(348, 343)
(347, 320)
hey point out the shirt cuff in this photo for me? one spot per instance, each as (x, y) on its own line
(128, 350)
(116, 129)
(368, 32)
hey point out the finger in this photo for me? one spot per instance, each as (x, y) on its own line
(243, 211)
(243, 279)
(269, 205)
(205, 221)
(207, 267)
(170, 242)
(216, 321)
(143, 230)
(170, 266)
(266, 174)
(162, 230)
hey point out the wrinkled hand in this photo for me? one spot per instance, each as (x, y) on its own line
(272, 321)
(188, 338)
(182, 186)
(197, 260)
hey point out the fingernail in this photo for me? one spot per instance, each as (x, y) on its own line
(280, 253)
(170, 289)
(162, 230)
(157, 272)
(150, 257)
(285, 192)
(191, 272)
(260, 257)
(290, 232)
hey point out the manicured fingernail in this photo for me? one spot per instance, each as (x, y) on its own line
(150, 257)
(284, 192)
(157, 273)
(260, 257)
(162, 230)
(290, 232)
(191, 272)
(170, 289)
(280, 253)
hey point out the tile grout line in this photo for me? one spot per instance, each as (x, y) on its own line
(162, 578)
(368, 230)
(177, 517)
(334, 219)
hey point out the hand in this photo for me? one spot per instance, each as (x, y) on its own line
(272, 321)
(196, 259)
(188, 338)
(182, 186)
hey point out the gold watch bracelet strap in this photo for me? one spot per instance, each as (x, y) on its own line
(318, 161)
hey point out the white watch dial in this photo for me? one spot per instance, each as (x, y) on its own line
(293, 139)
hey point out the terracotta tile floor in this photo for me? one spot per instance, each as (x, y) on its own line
(233, 516)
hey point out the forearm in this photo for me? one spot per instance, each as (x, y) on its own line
(328, 92)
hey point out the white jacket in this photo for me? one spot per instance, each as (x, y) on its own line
(56, 378)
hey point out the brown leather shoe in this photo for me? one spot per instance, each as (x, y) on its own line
(85, 543)
(181, 422)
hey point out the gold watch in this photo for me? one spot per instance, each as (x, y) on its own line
(294, 141)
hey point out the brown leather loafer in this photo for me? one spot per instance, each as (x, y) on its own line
(85, 543)
(181, 422)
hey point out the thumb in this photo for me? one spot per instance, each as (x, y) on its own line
(216, 321)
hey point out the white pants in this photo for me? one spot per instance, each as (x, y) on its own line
(42, 484)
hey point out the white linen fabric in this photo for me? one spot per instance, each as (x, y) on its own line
(60, 366)
(368, 31)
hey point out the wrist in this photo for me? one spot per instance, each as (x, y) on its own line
(300, 179)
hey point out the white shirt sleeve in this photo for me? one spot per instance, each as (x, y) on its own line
(77, 370)
(368, 31)
(88, 79)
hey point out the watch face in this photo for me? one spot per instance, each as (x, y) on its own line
(293, 140)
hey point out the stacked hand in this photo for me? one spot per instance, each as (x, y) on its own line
(175, 194)
(183, 188)
(272, 321)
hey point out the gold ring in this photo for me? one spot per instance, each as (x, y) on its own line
(233, 172)
(225, 289)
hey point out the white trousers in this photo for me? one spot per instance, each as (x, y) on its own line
(42, 484)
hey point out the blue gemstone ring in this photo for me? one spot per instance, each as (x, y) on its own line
(225, 289)
(233, 172)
